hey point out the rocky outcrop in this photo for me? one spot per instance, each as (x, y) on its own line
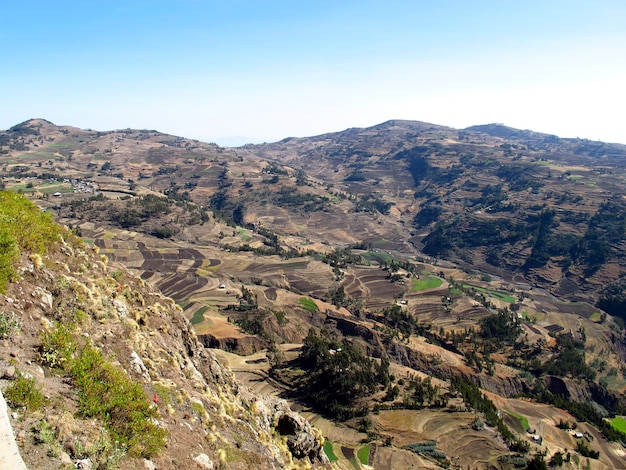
(242, 345)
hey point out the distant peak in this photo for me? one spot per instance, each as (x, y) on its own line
(497, 129)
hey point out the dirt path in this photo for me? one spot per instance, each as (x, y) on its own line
(10, 457)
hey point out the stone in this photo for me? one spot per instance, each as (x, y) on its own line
(204, 461)
(9, 373)
(66, 460)
(149, 464)
(84, 464)
(138, 366)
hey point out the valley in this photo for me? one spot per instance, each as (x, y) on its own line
(475, 259)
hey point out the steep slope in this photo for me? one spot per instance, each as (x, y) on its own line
(509, 202)
(100, 367)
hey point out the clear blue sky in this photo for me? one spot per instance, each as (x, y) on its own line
(267, 70)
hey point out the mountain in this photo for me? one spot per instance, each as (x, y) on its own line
(382, 280)
(518, 204)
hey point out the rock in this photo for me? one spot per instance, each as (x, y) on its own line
(45, 297)
(122, 309)
(84, 464)
(14, 353)
(138, 366)
(302, 441)
(66, 460)
(204, 461)
(9, 373)
(149, 464)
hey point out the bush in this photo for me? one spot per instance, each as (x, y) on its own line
(24, 392)
(57, 347)
(106, 393)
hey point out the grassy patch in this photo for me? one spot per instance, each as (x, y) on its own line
(107, 393)
(380, 257)
(328, 450)
(619, 423)
(198, 315)
(493, 293)
(308, 304)
(23, 227)
(364, 454)
(595, 317)
(10, 325)
(522, 419)
(430, 282)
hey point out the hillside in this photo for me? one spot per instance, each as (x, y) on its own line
(436, 264)
(104, 371)
(519, 204)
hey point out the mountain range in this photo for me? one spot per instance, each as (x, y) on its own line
(484, 257)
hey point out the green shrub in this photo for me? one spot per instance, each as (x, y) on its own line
(107, 393)
(24, 392)
(23, 227)
(58, 346)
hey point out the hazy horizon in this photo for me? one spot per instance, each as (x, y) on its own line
(267, 70)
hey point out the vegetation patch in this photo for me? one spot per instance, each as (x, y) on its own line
(522, 419)
(493, 293)
(24, 392)
(431, 282)
(10, 325)
(308, 304)
(198, 316)
(330, 453)
(364, 454)
(619, 423)
(106, 392)
(595, 317)
(23, 228)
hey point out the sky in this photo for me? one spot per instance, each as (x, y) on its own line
(242, 71)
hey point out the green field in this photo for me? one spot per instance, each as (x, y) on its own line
(308, 303)
(619, 423)
(429, 282)
(493, 293)
(198, 315)
(364, 454)
(522, 419)
(328, 450)
(378, 256)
